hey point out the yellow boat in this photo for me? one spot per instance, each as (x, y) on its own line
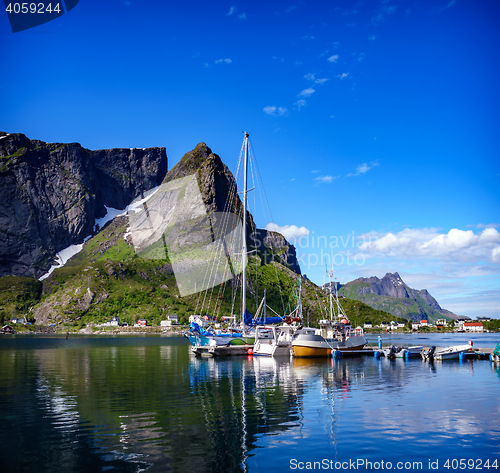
(306, 343)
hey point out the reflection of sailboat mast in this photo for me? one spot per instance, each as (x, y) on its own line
(244, 420)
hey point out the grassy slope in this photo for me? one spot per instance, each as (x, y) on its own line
(125, 285)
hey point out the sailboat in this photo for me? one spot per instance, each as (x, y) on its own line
(334, 334)
(337, 331)
(272, 340)
(245, 335)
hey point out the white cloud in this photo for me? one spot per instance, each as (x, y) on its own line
(275, 111)
(231, 10)
(343, 75)
(306, 92)
(453, 247)
(495, 254)
(312, 77)
(363, 168)
(326, 179)
(291, 232)
(225, 61)
(301, 103)
(333, 58)
(372, 37)
(243, 16)
(487, 225)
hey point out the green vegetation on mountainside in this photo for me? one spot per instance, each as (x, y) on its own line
(17, 296)
(404, 308)
(107, 278)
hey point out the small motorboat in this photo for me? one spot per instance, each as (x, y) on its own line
(407, 352)
(273, 340)
(401, 352)
(449, 353)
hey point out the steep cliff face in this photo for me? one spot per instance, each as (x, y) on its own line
(51, 194)
(217, 187)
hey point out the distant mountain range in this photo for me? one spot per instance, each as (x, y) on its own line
(391, 294)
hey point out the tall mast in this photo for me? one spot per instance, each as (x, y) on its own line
(300, 297)
(330, 273)
(244, 236)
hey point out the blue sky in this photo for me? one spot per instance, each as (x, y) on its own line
(374, 123)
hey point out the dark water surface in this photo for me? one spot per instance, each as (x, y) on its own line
(129, 404)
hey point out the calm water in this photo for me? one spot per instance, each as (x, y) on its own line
(90, 404)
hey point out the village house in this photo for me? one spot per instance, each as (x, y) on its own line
(171, 320)
(113, 322)
(473, 326)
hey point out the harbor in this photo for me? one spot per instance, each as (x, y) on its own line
(133, 404)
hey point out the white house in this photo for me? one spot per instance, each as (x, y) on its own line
(368, 325)
(171, 320)
(415, 325)
(114, 322)
(473, 326)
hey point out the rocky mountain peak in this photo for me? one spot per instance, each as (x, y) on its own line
(217, 187)
(392, 294)
(51, 194)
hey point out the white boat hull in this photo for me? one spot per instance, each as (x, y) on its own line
(273, 341)
(451, 353)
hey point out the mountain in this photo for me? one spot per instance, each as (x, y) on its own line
(109, 277)
(52, 193)
(393, 295)
(217, 188)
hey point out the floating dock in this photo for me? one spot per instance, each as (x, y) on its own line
(223, 350)
(344, 353)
